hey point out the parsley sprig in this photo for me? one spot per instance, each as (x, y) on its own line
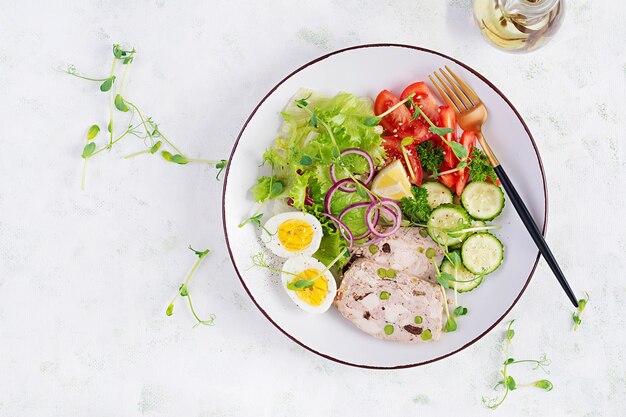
(416, 209)
(430, 156)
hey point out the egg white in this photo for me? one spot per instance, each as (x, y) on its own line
(273, 243)
(298, 265)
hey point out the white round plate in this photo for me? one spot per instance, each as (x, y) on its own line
(365, 71)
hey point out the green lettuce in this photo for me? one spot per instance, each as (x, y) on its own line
(315, 130)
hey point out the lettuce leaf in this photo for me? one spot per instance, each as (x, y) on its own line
(267, 187)
(300, 158)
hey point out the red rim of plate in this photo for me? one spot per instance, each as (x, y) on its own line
(416, 48)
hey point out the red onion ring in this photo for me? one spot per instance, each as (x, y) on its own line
(343, 229)
(332, 190)
(355, 206)
(356, 151)
(383, 204)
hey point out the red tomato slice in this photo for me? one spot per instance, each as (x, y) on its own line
(449, 180)
(424, 98)
(418, 130)
(393, 148)
(468, 140)
(393, 122)
(448, 119)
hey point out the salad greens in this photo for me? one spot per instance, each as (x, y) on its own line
(315, 130)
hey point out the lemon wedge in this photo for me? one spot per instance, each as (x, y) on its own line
(392, 182)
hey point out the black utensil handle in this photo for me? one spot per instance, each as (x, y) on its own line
(530, 224)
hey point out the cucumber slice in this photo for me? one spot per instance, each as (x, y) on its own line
(482, 253)
(482, 200)
(438, 194)
(465, 280)
(447, 218)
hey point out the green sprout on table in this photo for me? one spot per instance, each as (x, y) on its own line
(582, 303)
(145, 128)
(183, 291)
(508, 382)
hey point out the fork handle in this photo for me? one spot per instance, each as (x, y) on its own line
(532, 228)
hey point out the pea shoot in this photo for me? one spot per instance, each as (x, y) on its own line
(300, 283)
(145, 128)
(508, 382)
(459, 150)
(582, 303)
(374, 120)
(183, 291)
(443, 278)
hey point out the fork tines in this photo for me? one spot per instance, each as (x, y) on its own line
(454, 90)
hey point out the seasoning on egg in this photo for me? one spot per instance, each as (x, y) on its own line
(295, 234)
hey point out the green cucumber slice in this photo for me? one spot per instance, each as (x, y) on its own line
(465, 280)
(482, 253)
(445, 219)
(482, 200)
(438, 194)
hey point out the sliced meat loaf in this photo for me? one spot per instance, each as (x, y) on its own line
(405, 251)
(359, 300)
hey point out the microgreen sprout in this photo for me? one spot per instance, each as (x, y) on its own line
(443, 278)
(256, 219)
(374, 120)
(406, 142)
(302, 103)
(459, 150)
(300, 284)
(582, 303)
(460, 311)
(146, 129)
(508, 382)
(183, 291)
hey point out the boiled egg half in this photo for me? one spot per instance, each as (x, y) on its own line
(309, 284)
(292, 234)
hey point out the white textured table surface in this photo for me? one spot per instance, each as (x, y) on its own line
(85, 276)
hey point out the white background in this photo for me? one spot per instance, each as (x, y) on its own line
(85, 277)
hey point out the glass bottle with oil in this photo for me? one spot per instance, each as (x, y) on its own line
(518, 25)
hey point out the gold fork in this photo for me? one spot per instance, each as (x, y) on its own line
(471, 115)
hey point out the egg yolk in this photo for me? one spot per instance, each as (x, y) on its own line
(295, 234)
(316, 294)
